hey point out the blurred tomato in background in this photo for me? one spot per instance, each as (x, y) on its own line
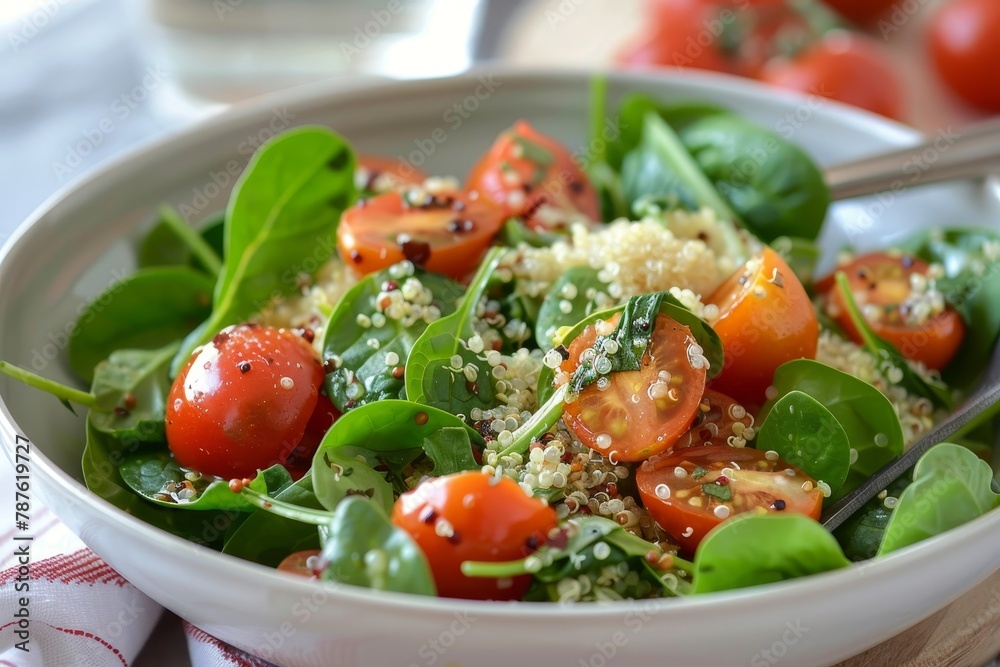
(839, 49)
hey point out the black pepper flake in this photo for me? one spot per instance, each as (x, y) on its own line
(220, 338)
(120, 411)
(356, 257)
(454, 538)
(702, 236)
(778, 504)
(428, 514)
(244, 367)
(563, 352)
(268, 360)
(531, 545)
(308, 334)
(458, 226)
(330, 365)
(417, 252)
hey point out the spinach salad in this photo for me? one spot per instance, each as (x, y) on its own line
(546, 384)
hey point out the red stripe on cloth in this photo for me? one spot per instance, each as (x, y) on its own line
(234, 655)
(81, 566)
(90, 635)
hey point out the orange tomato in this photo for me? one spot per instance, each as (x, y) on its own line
(765, 319)
(882, 288)
(715, 422)
(639, 413)
(380, 174)
(445, 233)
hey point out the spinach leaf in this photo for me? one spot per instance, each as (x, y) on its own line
(861, 535)
(971, 283)
(894, 367)
(807, 435)
(867, 417)
(266, 538)
(389, 434)
(146, 310)
(284, 207)
(442, 371)
(586, 544)
(361, 347)
(774, 187)
(173, 242)
(451, 451)
(365, 549)
(577, 293)
(951, 486)
(341, 476)
(132, 385)
(515, 232)
(751, 550)
(102, 456)
(157, 477)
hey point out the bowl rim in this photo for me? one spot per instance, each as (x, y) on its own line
(323, 93)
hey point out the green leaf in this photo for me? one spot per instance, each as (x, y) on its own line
(132, 385)
(267, 538)
(284, 208)
(146, 310)
(364, 549)
(157, 477)
(450, 449)
(889, 358)
(807, 435)
(339, 475)
(163, 246)
(772, 185)
(951, 486)
(862, 533)
(102, 456)
(580, 289)
(362, 365)
(867, 417)
(431, 378)
(751, 550)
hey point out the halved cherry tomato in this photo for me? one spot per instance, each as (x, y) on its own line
(470, 516)
(692, 490)
(921, 326)
(715, 422)
(765, 319)
(242, 402)
(298, 563)
(638, 413)
(846, 67)
(965, 50)
(533, 176)
(379, 174)
(444, 233)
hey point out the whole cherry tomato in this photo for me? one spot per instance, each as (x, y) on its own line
(966, 51)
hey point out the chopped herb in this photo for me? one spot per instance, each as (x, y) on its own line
(723, 493)
(698, 472)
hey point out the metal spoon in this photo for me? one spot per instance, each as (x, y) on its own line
(984, 398)
(972, 152)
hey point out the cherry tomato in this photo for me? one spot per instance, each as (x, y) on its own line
(862, 12)
(447, 233)
(715, 422)
(382, 174)
(639, 413)
(694, 489)
(965, 50)
(242, 402)
(846, 67)
(765, 319)
(917, 322)
(533, 176)
(298, 563)
(470, 516)
(320, 421)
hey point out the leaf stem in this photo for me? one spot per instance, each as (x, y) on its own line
(540, 422)
(286, 510)
(60, 391)
(514, 568)
(198, 245)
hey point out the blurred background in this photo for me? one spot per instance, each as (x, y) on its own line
(83, 79)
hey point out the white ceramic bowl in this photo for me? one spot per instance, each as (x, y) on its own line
(80, 241)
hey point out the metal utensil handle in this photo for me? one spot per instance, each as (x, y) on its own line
(973, 152)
